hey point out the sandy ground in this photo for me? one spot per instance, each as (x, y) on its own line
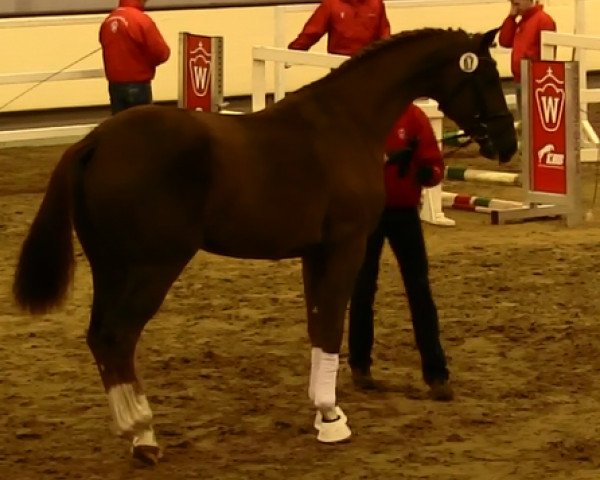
(226, 360)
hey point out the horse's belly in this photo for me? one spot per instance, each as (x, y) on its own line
(262, 239)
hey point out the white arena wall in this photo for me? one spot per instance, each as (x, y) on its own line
(29, 46)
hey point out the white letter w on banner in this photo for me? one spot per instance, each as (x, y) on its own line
(550, 109)
(200, 75)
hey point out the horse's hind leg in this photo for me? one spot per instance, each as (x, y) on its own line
(125, 298)
(329, 273)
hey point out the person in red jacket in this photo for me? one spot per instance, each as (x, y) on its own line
(132, 48)
(413, 161)
(524, 36)
(350, 26)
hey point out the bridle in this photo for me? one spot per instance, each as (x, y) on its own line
(477, 127)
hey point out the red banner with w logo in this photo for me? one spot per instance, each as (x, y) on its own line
(547, 112)
(201, 75)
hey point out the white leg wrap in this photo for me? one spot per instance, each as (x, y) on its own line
(314, 369)
(145, 437)
(323, 378)
(330, 421)
(130, 411)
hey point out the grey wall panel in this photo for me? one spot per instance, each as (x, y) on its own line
(25, 8)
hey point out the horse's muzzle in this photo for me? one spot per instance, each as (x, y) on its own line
(501, 140)
(502, 151)
(507, 147)
(486, 148)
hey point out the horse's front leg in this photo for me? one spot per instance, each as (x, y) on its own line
(329, 273)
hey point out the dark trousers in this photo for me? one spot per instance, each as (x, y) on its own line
(402, 228)
(126, 95)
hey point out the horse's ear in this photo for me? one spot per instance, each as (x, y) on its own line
(488, 37)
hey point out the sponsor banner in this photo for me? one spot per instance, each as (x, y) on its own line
(548, 127)
(201, 64)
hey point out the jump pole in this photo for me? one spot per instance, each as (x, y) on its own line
(492, 206)
(460, 201)
(483, 176)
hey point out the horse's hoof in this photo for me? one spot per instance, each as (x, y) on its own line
(333, 431)
(441, 391)
(148, 454)
(319, 417)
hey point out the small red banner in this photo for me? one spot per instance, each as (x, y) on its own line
(197, 72)
(547, 116)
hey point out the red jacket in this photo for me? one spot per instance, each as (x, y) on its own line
(525, 37)
(350, 25)
(132, 46)
(412, 125)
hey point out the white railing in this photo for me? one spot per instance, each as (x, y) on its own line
(57, 134)
(51, 21)
(261, 55)
(35, 77)
(54, 21)
(46, 135)
(551, 40)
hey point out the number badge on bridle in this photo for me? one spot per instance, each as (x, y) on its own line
(468, 62)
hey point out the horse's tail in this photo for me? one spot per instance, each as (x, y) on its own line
(45, 268)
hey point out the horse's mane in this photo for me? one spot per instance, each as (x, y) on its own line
(403, 38)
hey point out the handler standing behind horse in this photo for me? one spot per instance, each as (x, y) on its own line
(414, 161)
(352, 25)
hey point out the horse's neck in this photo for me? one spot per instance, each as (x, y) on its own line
(376, 90)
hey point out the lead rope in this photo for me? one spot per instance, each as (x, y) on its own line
(52, 75)
(466, 141)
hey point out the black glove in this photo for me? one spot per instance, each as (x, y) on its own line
(403, 157)
(424, 174)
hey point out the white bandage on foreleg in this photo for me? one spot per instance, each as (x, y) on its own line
(315, 355)
(323, 377)
(129, 409)
(145, 437)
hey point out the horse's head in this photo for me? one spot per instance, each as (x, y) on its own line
(470, 93)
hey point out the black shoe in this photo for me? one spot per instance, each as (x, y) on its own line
(441, 391)
(363, 380)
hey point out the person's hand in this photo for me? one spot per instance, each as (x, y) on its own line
(424, 174)
(402, 158)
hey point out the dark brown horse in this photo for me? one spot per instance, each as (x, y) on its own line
(151, 186)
